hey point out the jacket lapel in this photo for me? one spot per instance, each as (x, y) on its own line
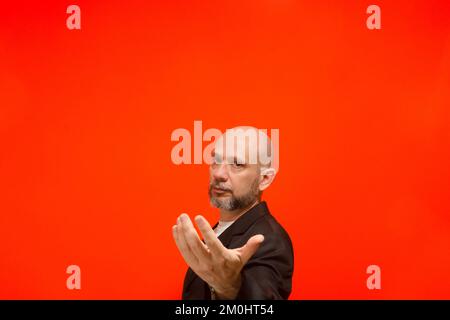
(244, 222)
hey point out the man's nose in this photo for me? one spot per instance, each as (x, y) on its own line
(220, 172)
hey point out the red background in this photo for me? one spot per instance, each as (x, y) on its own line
(86, 117)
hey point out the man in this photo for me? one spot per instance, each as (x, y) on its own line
(248, 254)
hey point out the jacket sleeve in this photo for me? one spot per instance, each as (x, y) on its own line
(268, 274)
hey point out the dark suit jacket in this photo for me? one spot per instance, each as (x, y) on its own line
(268, 273)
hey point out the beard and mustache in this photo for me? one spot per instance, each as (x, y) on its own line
(233, 202)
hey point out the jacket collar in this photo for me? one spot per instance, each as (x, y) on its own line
(244, 222)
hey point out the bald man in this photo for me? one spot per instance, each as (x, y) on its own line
(247, 254)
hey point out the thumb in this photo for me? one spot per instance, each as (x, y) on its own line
(249, 249)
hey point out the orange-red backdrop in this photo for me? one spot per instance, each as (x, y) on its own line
(86, 116)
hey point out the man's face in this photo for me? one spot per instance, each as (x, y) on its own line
(234, 182)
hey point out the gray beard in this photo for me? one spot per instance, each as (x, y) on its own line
(234, 203)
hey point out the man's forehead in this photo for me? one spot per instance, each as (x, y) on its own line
(236, 136)
(242, 143)
(239, 155)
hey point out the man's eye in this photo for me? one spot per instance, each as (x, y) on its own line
(237, 164)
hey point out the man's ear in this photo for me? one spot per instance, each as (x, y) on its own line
(267, 176)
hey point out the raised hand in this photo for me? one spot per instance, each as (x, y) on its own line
(216, 265)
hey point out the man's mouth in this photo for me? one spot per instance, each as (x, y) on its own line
(219, 190)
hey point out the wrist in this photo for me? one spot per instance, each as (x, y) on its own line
(229, 292)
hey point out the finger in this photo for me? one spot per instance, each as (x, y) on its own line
(214, 245)
(188, 256)
(192, 239)
(174, 233)
(249, 249)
